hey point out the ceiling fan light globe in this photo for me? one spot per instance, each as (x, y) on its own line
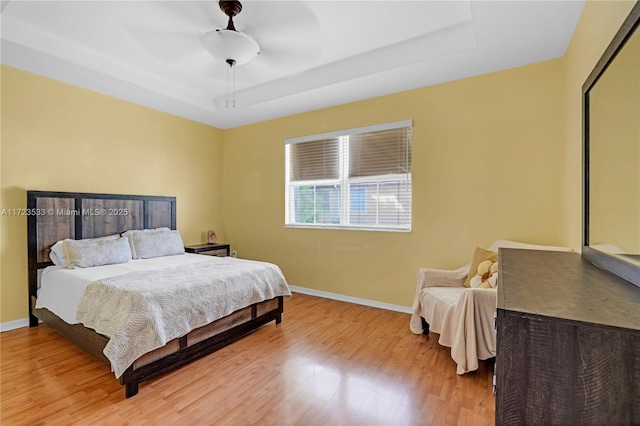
(227, 44)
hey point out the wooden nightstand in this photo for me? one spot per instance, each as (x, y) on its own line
(218, 249)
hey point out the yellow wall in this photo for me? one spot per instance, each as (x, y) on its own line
(487, 165)
(598, 24)
(60, 137)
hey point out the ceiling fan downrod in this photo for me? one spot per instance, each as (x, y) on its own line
(230, 8)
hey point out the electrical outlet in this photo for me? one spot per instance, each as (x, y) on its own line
(234, 254)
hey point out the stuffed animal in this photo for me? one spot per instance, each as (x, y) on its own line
(487, 276)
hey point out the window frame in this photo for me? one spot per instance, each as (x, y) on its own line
(344, 181)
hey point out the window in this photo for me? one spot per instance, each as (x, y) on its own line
(354, 179)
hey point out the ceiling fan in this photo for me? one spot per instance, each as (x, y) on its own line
(274, 36)
(229, 44)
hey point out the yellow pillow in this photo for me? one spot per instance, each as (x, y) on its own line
(479, 256)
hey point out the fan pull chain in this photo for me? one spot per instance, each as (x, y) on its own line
(234, 86)
(226, 100)
(232, 67)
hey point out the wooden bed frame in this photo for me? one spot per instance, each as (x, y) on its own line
(54, 216)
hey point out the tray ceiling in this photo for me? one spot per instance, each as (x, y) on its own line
(314, 54)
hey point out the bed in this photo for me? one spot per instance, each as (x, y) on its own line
(56, 216)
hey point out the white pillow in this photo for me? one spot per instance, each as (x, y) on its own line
(157, 244)
(96, 252)
(130, 234)
(57, 255)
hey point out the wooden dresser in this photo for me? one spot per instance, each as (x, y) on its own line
(568, 342)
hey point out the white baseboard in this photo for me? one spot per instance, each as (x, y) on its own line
(350, 299)
(12, 325)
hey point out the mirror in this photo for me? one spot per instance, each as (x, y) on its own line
(611, 117)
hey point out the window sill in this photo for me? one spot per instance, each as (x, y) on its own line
(347, 228)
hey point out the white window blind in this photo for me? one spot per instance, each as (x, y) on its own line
(355, 179)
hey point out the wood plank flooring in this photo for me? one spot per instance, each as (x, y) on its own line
(328, 363)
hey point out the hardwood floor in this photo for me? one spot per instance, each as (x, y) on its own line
(328, 363)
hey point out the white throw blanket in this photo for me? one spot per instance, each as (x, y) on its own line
(468, 328)
(142, 311)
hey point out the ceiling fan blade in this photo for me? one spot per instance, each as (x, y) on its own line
(204, 15)
(277, 19)
(299, 55)
(171, 30)
(171, 46)
(270, 65)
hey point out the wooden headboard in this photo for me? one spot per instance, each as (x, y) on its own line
(54, 216)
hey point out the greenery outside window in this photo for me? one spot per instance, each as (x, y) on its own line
(352, 179)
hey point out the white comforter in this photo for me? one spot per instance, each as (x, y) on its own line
(142, 311)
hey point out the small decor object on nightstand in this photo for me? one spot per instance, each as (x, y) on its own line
(212, 238)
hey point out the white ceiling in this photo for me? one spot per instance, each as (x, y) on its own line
(314, 54)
